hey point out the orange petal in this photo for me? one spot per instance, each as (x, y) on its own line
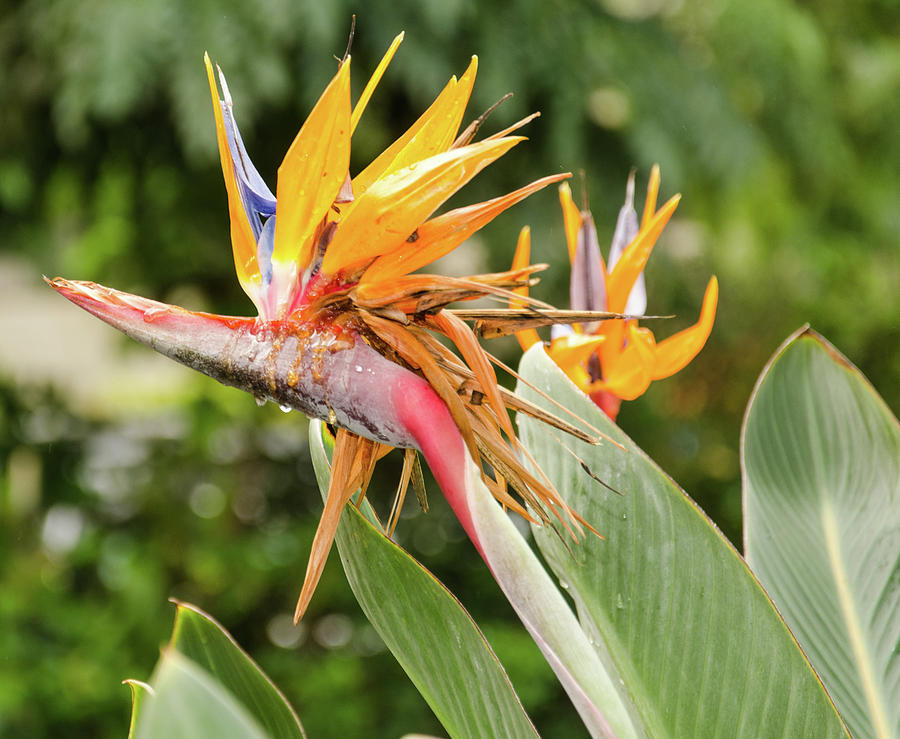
(614, 331)
(441, 120)
(674, 353)
(622, 277)
(388, 212)
(373, 82)
(313, 171)
(630, 374)
(571, 219)
(522, 258)
(461, 335)
(652, 193)
(243, 244)
(443, 234)
(572, 362)
(574, 350)
(339, 492)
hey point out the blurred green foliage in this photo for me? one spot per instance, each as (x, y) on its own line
(776, 120)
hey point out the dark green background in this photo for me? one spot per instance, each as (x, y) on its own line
(777, 121)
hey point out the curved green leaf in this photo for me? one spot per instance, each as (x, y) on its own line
(189, 702)
(429, 632)
(140, 691)
(201, 638)
(667, 601)
(821, 461)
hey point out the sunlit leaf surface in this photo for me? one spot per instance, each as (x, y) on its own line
(667, 601)
(821, 456)
(424, 626)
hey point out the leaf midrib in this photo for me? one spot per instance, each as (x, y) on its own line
(852, 622)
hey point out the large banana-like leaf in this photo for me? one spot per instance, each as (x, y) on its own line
(821, 460)
(428, 631)
(668, 603)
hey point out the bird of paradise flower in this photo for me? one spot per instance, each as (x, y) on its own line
(614, 361)
(345, 331)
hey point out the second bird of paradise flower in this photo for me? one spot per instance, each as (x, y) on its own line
(612, 361)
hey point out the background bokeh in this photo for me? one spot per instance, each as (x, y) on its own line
(127, 480)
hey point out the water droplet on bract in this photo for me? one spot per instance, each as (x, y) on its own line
(358, 368)
(285, 408)
(260, 400)
(624, 516)
(563, 584)
(620, 603)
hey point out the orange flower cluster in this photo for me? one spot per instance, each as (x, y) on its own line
(614, 361)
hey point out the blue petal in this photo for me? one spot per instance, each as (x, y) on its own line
(256, 197)
(264, 248)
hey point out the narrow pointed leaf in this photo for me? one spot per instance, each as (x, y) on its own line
(424, 626)
(821, 460)
(666, 600)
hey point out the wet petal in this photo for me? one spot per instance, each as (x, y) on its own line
(444, 233)
(432, 133)
(674, 353)
(313, 171)
(386, 214)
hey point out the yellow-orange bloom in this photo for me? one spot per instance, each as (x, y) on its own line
(614, 361)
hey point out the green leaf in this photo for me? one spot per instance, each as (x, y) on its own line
(667, 601)
(821, 459)
(188, 702)
(140, 691)
(429, 632)
(199, 637)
